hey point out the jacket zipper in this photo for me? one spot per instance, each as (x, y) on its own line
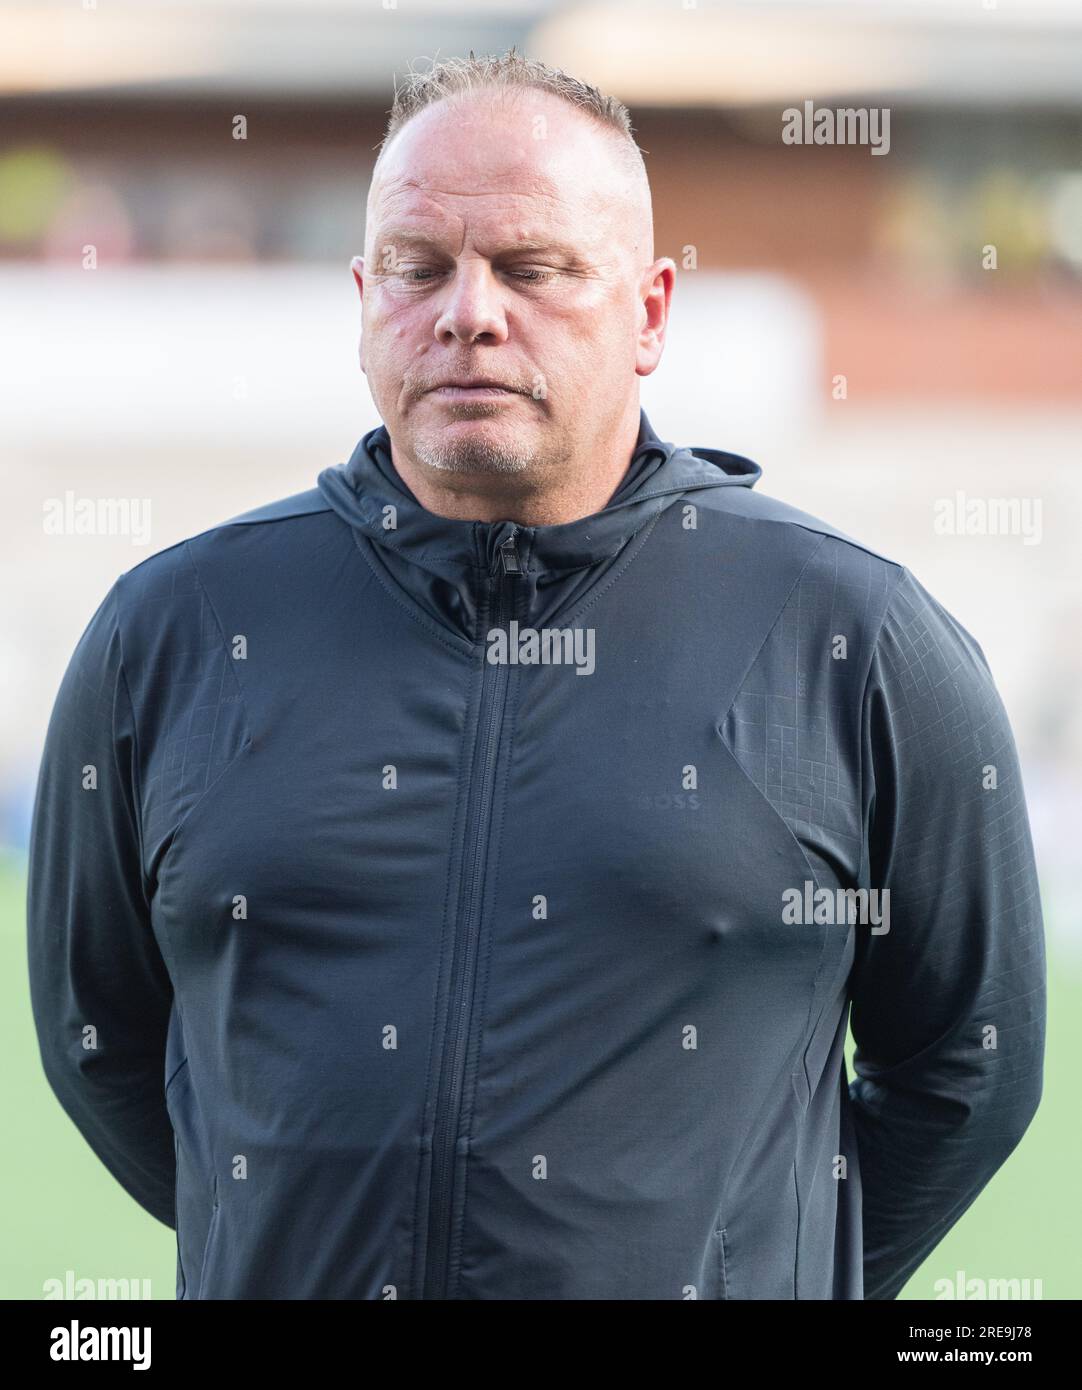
(464, 966)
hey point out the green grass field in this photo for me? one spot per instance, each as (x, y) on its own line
(65, 1212)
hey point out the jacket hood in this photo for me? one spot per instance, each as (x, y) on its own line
(449, 566)
(368, 493)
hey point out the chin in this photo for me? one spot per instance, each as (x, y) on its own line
(474, 451)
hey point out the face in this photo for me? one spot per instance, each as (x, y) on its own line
(510, 300)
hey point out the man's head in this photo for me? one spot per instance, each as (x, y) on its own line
(509, 238)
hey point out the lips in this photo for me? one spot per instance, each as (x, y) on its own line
(473, 386)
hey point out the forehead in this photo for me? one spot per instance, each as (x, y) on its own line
(530, 162)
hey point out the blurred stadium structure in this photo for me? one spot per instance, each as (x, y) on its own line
(208, 363)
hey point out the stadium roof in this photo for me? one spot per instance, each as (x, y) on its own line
(648, 52)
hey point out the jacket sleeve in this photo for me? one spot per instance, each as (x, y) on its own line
(948, 1005)
(100, 992)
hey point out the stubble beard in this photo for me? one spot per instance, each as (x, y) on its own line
(476, 452)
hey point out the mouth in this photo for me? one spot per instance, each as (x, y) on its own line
(473, 391)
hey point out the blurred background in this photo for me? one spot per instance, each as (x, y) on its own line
(895, 337)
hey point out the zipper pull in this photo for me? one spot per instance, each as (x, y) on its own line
(509, 557)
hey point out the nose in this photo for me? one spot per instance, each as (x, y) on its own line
(471, 307)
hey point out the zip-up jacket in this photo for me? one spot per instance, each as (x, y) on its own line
(441, 909)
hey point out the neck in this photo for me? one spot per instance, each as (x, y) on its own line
(573, 487)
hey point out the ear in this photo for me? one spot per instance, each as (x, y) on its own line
(657, 287)
(357, 266)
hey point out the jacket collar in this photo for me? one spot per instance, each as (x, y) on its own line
(368, 493)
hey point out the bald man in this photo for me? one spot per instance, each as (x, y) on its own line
(454, 881)
(510, 301)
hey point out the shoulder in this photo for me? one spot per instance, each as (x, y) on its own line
(275, 527)
(827, 574)
(171, 598)
(791, 525)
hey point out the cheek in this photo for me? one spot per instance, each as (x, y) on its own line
(390, 341)
(599, 344)
(604, 323)
(393, 316)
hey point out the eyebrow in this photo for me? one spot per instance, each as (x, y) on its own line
(403, 237)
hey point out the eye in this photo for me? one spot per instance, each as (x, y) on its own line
(423, 275)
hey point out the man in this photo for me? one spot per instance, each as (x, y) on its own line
(451, 882)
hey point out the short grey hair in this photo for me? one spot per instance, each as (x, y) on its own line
(509, 72)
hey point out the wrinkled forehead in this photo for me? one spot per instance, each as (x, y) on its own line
(516, 161)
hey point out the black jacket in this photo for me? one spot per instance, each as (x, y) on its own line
(437, 909)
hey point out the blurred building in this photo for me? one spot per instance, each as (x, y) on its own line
(118, 130)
